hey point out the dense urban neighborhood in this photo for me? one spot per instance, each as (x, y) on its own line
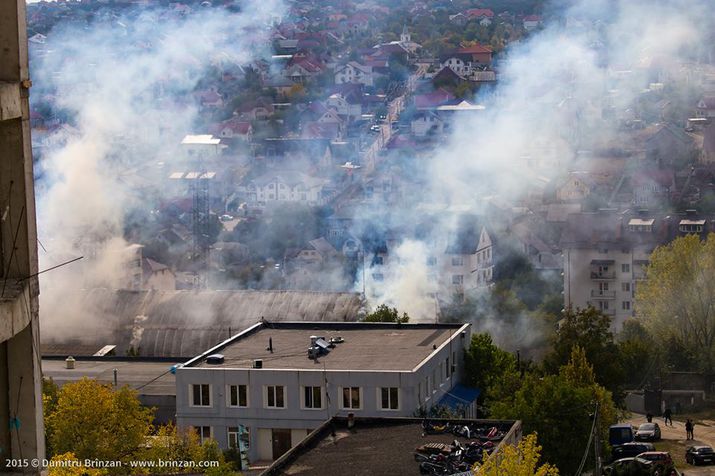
(379, 237)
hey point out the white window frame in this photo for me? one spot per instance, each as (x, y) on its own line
(304, 404)
(191, 395)
(342, 399)
(275, 400)
(379, 399)
(238, 396)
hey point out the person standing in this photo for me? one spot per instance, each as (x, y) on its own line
(689, 429)
(667, 414)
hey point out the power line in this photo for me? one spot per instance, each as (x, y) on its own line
(588, 445)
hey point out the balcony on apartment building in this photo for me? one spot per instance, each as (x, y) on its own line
(600, 295)
(605, 311)
(603, 269)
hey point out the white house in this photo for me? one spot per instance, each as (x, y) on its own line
(457, 64)
(344, 108)
(468, 261)
(354, 72)
(706, 107)
(288, 186)
(426, 123)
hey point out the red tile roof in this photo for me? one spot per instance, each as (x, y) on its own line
(479, 12)
(433, 99)
(475, 49)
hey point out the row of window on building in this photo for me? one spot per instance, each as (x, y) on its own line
(312, 397)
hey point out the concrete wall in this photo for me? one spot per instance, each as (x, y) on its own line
(21, 426)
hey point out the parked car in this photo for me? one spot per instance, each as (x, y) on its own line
(620, 433)
(629, 467)
(648, 432)
(630, 450)
(659, 457)
(700, 455)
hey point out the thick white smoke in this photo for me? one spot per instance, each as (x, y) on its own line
(553, 98)
(127, 82)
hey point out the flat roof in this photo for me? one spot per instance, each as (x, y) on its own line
(374, 446)
(132, 373)
(638, 221)
(462, 106)
(366, 346)
(201, 139)
(692, 222)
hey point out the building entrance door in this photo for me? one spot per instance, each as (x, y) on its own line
(281, 442)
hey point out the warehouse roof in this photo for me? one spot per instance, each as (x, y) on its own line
(177, 323)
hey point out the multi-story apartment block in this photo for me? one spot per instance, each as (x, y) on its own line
(270, 385)
(606, 254)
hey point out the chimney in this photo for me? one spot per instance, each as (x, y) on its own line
(69, 362)
(270, 345)
(313, 339)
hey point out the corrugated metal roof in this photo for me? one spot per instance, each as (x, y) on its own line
(177, 323)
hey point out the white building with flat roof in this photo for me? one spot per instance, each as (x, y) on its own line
(266, 387)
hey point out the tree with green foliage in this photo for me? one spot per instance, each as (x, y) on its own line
(559, 404)
(677, 301)
(638, 352)
(589, 329)
(486, 364)
(385, 313)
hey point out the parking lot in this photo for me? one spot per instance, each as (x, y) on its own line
(673, 441)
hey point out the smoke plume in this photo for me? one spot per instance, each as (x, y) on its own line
(126, 84)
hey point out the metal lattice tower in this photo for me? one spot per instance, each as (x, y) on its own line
(200, 214)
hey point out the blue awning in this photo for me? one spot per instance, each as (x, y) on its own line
(460, 397)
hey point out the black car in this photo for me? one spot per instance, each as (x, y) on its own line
(648, 432)
(629, 450)
(700, 455)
